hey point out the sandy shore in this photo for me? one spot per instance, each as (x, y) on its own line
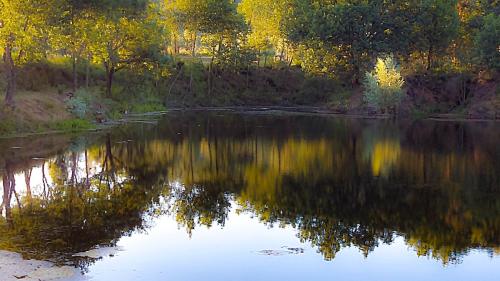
(14, 268)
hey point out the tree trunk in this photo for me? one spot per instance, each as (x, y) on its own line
(248, 75)
(11, 75)
(175, 45)
(356, 70)
(429, 57)
(87, 73)
(194, 44)
(110, 71)
(210, 66)
(191, 81)
(282, 51)
(75, 74)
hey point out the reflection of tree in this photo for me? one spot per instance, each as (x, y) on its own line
(9, 188)
(200, 205)
(76, 212)
(340, 183)
(348, 188)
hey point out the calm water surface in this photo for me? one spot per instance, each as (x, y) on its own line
(230, 196)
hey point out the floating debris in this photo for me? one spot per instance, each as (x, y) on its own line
(294, 250)
(99, 252)
(284, 251)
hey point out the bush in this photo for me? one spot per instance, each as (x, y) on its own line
(383, 86)
(313, 90)
(80, 104)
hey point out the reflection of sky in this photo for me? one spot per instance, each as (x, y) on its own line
(166, 252)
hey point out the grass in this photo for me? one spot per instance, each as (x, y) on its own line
(73, 125)
(417, 114)
(7, 127)
(39, 111)
(340, 100)
(147, 107)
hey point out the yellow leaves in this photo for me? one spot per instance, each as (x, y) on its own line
(384, 156)
(264, 17)
(25, 25)
(383, 86)
(388, 75)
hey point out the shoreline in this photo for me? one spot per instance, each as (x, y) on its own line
(14, 267)
(299, 110)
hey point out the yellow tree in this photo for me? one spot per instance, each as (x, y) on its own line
(265, 19)
(25, 26)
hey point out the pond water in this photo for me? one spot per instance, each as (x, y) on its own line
(258, 196)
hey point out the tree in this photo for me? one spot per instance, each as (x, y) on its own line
(24, 31)
(383, 86)
(199, 17)
(354, 30)
(215, 21)
(436, 26)
(488, 41)
(72, 34)
(122, 41)
(265, 18)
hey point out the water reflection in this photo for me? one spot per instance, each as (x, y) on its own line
(338, 182)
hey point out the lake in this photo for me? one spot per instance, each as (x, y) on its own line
(224, 195)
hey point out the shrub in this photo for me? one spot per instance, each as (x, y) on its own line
(80, 104)
(313, 90)
(383, 86)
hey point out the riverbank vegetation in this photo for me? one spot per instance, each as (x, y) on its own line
(97, 60)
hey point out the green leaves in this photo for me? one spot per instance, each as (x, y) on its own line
(383, 86)
(488, 41)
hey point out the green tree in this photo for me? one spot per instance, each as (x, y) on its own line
(353, 30)
(24, 30)
(72, 36)
(488, 41)
(123, 40)
(436, 26)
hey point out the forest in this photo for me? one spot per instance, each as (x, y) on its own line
(75, 62)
